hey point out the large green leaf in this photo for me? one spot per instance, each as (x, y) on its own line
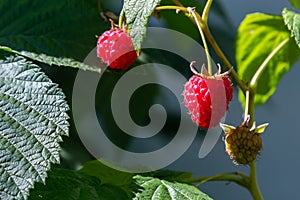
(124, 180)
(56, 32)
(292, 21)
(108, 175)
(154, 188)
(65, 184)
(258, 35)
(32, 120)
(137, 13)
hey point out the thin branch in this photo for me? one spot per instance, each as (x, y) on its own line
(212, 41)
(206, 11)
(237, 177)
(198, 23)
(262, 67)
(224, 59)
(180, 8)
(253, 186)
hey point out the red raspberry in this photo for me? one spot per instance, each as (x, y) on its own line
(207, 98)
(115, 48)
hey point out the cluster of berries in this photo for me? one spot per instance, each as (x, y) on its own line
(206, 96)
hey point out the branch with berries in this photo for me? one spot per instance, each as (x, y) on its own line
(206, 95)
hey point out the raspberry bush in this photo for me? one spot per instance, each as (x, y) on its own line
(37, 37)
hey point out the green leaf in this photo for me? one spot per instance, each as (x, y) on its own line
(32, 120)
(60, 32)
(137, 13)
(295, 3)
(51, 60)
(65, 184)
(108, 175)
(170, 175)
(154, 188)
(258, 35)
(292, 21)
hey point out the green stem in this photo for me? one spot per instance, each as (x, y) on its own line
(180, 8)
(255, 78)
(121, 19)
(246, 113)
(198, 23)
(253, 186)
(223, 58)
(198, 20)
(237, 177)
(249, 108)
(211, 40)
(262, 67)
(206, 11)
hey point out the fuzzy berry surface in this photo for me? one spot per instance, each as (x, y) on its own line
(115, 48)
(243, 145)
(207, 99)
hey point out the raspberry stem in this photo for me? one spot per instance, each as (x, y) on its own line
(249, 106)
(262, 67)
(224, 59)
(254, 187)
(249, 109)
(177, 8)
(198, 21)
(210, 39)
(237, 177)
(246, 113)
(206, 11)
(121, 19)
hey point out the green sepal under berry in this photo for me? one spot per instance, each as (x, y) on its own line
(243, 143)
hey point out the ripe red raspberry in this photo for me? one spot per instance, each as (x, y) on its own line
(207, 98)
(115, 48)
(243, 143)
